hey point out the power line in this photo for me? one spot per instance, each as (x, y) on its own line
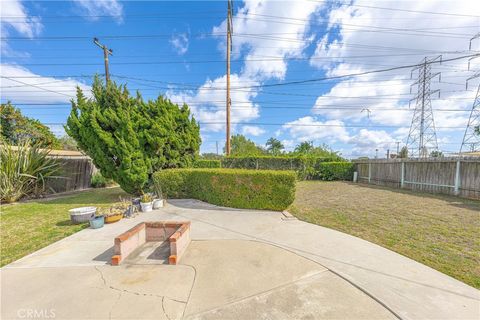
(359, 73)
(403, 10)
(286, 103)
(268, 36)
(315, 109)
(297, 125)
(32, 85)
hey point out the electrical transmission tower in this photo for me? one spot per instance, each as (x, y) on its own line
(422, 138)
(471, 139)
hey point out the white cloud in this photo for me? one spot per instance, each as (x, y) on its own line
(208, 102)
(371, 39)
(25, 86)
(95, 8)
(252, 131)
(311, 129)
(179, 41)
(257, 35)
(15, 16)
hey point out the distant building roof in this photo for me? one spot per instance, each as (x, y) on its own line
(63, 153)
(471, 154)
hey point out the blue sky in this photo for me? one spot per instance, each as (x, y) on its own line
(178, 49)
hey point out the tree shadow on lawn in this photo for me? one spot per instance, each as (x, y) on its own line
(88, 199)
(458, 202)
(69, 223)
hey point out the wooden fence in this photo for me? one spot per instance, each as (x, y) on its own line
(454, 176)
(76, 174)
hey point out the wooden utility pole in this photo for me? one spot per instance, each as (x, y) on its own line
(106, 53)
(229, 49)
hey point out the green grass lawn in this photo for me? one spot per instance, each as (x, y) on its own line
(442, 232)
(27, 227)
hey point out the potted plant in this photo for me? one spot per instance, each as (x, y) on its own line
(97, 222)
(136, 203)
(82, 214)
(146, 202)
(158, 202)
(113, 215)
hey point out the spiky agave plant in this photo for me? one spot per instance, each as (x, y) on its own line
(25, 170)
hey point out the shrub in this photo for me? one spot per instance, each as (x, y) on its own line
(15, 127)
(99, 181)
(306, 167)
(207, 164)
(330, 171)
(259, 189)
(129, 138)
(24, 171)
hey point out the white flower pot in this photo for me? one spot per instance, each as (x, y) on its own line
(146, 206)
(158, 203)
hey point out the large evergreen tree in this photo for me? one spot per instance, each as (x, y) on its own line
(16, 128)
(128, 138)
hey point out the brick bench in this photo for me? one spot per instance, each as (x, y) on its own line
(177, 233)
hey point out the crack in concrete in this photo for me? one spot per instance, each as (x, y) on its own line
(191, 288)
(163, 308)
(162, 297)
(101, 276)
(113, 306)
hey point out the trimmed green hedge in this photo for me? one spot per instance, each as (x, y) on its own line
(207, 164)
(305, 167)
(249, 189)
(330, 171)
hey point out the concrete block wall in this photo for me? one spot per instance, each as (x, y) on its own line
(177, 233)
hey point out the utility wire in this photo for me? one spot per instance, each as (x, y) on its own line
(298, 125)
(32, 85)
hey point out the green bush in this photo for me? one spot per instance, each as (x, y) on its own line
(259, 189)
(15, 127)
(129, 138)
(201, 163)
(99, 181)
(330, 171)
(306, 167)
(24, 171)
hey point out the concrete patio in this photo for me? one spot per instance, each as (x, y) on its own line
(241, 264)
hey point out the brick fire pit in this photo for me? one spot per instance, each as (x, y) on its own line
(177, 233)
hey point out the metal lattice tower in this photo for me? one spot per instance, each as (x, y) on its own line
(422, 138)
(471, 140)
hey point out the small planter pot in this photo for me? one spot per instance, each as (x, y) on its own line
(113, 218)
(97, 222)
(82, 214)
(130, 212)
(146, 206)
(136, 203)
(158, 203)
